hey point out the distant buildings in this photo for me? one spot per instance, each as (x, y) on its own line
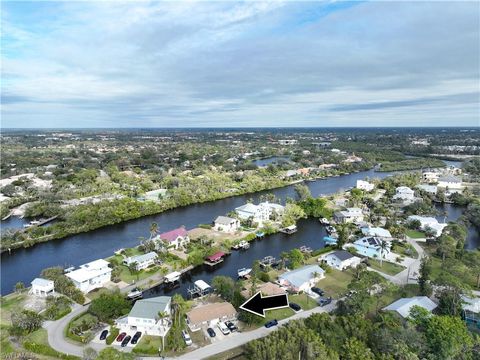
(348, 215)
(42, 287)
(364, 185)
(287, 141)
(259, 213)
(430, 176)
(405, 194)
(450, 182)
(141, 261)
(404, 305)
(341, 260)
(371, 246)
(428, 223)
(226, 224)
(91, 276)
(302, 279)
(209, 315)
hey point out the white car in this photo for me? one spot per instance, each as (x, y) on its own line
(223, 328)
(187, 338)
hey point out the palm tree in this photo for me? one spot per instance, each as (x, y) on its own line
(153, 229)
(162, 315)
(383, 248)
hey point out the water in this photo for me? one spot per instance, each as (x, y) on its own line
(26, 264)
(13, 222)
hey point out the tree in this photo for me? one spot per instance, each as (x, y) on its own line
(109, 306)
(225, 286)
(291, 214)
(295, 258)
(383, 249)
(111, 353)
(89, 354)
(25, 322)
(153, 230)
(354, 349)
(132, 268)
(302, 191)
(19, 287)
(424, 278)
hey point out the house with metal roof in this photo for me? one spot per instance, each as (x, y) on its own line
(341, 260)
(404, 305)
(42, 287)
(349, 215)
(371, 246)
(302, 279)
(428, 223)
(376, 231)
(142, 261)
(92, 275)
(226, 224)
(150, 316)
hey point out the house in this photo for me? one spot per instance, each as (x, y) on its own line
(141, 261)
(364, 185)
(376, 231)
(42, 287)
(371, 246)
(290, 173)
(226, 224)
(450, 182)
(302, 279)
(209, 315)
(404, 305)
(287, 141)
(266, 289)
(91, 276)
(430, 189)
(341, 260)
(145, 317)
(428, 223)
(404, 193)
(349, 215)
(259, 213)
(430, 176)
(177, 238)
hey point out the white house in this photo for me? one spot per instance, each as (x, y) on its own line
(145, 317)
(259, 213)
(348, 215)
(341, 260)
(91, 276)
(404, 193)
(365, 185)
(177, 238)
(42, 287)
(428, 223)
(371, 246)
(450, 182)
(226, 224)
(376, 231)
(430, 176)
(302, 279)
(404, 305)
(141, 261)
(431, 189)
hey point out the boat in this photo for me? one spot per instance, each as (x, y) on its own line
(259, 234)
(324, 221)
(134, 294)
(172, 277)
(242, 245)
(331, 230)
(289, 229)
(330, 240)
(243, 272)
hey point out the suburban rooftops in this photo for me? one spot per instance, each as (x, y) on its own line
(149, 308)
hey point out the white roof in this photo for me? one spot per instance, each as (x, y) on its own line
(89, 271)
(42, 282)
(300, 276)
(251, 208)
(376, 231)
(403, 305)
(471, 304)
(404, 189)
(141, 258)
(173, 275)
(202, 285)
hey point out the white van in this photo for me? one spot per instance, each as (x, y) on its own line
(187, 338)
(223, 328)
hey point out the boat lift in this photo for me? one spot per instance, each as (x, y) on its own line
(200, 288)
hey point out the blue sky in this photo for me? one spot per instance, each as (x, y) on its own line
(234, 64)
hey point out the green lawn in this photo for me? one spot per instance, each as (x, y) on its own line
(335, 283)
(148, 345)
(9, 304)
(278, 314)
(305, 301)
(387, 267)
(414, 234)
(405, 249)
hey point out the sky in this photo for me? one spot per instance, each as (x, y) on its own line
(240, 64)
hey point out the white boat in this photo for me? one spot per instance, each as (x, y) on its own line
(134, 294)
(324, 221)
(289, 229)
(242, 245)
(172, 277)
(243, 272)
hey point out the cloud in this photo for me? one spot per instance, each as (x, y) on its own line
(240, 64)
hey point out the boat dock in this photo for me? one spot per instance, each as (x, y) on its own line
(214, 259)
(305, 249)
(269, 261)
(200, 288)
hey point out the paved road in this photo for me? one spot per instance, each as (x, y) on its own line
(235, 340)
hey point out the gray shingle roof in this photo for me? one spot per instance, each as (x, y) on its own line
(149, 308)
(342, 255)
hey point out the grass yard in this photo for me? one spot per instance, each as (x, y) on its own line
(335, 283)
(127, 277)
(305, 301)
(9, 304)
(387, 267)
(414, 234)
(405, 249)
(278, 314)
(235, 353)
(148, 345)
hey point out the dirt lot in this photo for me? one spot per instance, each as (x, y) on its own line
(217, 236)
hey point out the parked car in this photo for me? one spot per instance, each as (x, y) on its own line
(231, 326)
(187, 338)
(126, 341)
(325, 301)
(295, 307)
(103, 335)
(121, 336)
(271, 323)
(136, 337)
(223, 328)
(211, 332)
(318, 291)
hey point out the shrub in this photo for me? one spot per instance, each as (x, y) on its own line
(112, 335)
(46, 350)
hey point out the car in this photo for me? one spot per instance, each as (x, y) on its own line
(271, 323)
(103, 335)
(223, 328)
(186, 338)
(231, 326)
(211, 332)
(121, 336)
(135, 337)
(295, 307)
(318, 291)
(126, 341)
(325, 301)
